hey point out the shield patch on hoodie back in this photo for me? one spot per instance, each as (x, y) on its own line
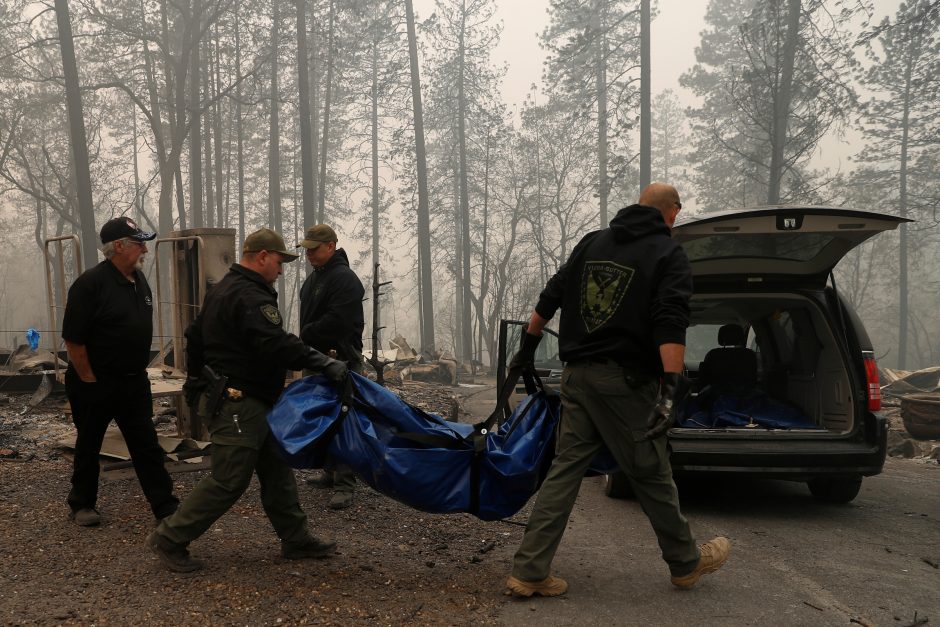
(603, 284)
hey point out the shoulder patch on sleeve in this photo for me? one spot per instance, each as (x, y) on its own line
(272, 314)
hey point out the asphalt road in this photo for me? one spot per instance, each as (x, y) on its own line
(794, 561)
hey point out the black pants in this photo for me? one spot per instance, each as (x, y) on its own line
(126, 400)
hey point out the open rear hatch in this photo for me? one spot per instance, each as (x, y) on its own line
(774, 242)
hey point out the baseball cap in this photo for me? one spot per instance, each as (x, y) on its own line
(121, 227)
(316, 235)
(266, 239)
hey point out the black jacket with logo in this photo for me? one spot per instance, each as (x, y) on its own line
(240, 334)
(331, 309)
(623, 292)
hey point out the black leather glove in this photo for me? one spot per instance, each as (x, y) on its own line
(525, 357)
(332, 369)
(192, 388)
(663, 415)
(336, 371)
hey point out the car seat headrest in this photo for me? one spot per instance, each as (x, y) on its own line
(731, 335)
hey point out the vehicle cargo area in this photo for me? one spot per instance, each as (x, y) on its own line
(766, 364)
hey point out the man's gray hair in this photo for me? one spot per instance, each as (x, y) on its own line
(108, 249)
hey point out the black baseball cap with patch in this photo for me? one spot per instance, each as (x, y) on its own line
(119, 228)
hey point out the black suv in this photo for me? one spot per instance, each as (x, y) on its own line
(784, 381)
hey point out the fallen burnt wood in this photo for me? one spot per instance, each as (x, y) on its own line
(921, 415)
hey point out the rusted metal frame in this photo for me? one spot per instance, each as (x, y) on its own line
(200, 292)
(51, 289)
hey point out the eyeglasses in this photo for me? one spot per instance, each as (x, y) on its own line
(678, 205)
(134, 241)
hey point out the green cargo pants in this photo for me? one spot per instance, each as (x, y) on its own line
(241, 446)
(344, 479)
(603, 405)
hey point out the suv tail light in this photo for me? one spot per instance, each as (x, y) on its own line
(871, 379)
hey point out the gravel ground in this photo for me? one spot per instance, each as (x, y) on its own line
(394, 565)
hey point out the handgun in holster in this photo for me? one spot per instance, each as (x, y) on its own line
(215, 390)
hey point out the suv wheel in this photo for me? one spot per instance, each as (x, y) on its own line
(835, 489)
(617, 486)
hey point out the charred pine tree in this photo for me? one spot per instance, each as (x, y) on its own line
(307, 173)
(377, 364)
(330, 53)
(424, 216)
(73, 97)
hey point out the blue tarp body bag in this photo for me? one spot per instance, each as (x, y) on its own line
(719, 407)
(418, 458)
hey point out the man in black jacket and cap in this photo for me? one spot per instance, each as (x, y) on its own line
(239, 334)
(624, 298)
(331, 320)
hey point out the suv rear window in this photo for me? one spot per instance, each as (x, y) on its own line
(699, 339)
(789, 246)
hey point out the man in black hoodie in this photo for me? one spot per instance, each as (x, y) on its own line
(624, 298)
(331, 319)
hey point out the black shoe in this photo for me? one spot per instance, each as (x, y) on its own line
(313, 548)
(174, 558)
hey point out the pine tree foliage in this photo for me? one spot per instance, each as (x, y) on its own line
(594, 61)
(903, 123)
(752, 106)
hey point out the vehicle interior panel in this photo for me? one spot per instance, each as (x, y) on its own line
(776, 345)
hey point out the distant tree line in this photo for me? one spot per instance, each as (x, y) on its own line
(392, 126)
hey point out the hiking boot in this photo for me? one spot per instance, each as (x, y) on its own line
(314, 548)
(341, 500)
(551, 586)
(323, 480)
(86, 517)
(174, 557)
(712, 555)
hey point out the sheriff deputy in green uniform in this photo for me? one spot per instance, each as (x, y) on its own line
(239, 335)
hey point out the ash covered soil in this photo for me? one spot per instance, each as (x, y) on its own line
(394, 565)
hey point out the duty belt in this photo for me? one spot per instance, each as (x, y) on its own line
(630, 370)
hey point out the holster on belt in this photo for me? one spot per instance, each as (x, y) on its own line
(215, 390)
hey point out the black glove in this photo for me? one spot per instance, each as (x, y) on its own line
(526, 355)
(663, 415)
(336, 371)
(332, 369)
(192, 389)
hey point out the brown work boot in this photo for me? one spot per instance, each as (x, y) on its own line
(551, 586)
(174, 557)
(713, 554)
(323, 480)
(314, 548)
(341, 500)
(86, 517)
